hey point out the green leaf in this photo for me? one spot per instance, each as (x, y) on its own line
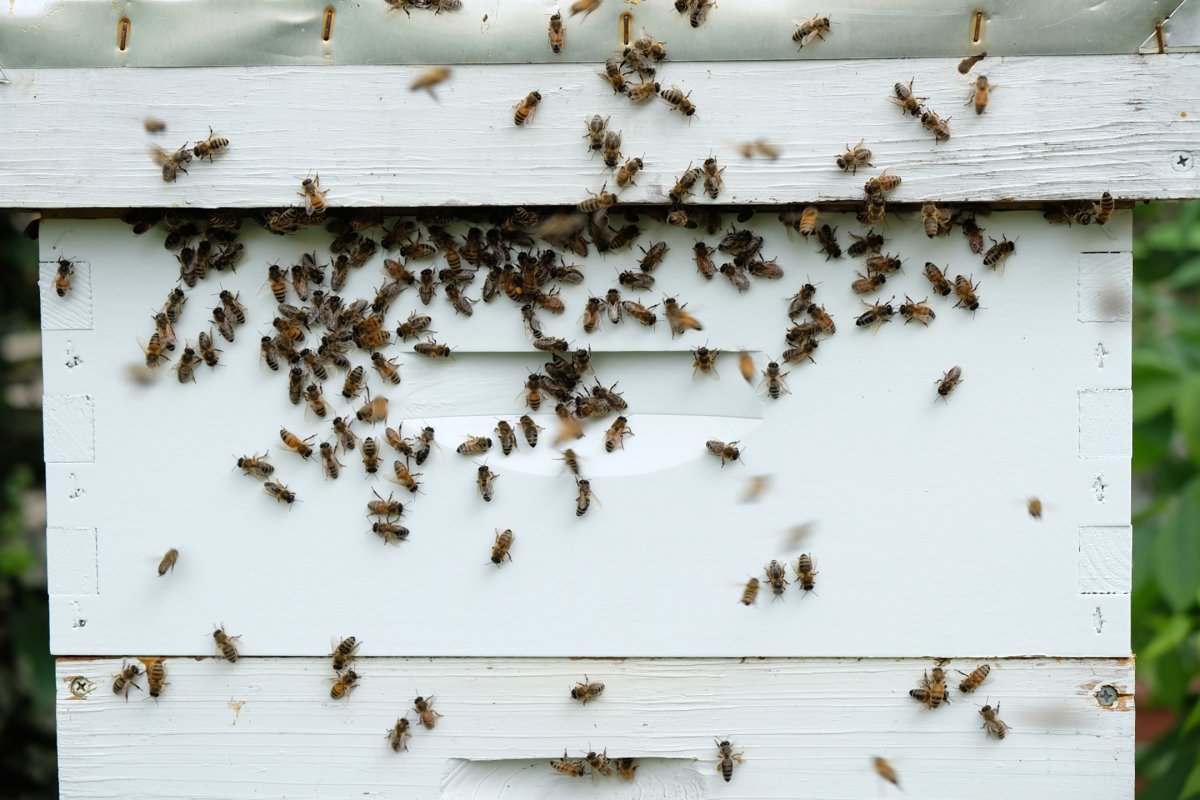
(1177, 552)
(1156, 382)
(1168, 638)
(1192, 787)
(1186, 274)
(1187, 414)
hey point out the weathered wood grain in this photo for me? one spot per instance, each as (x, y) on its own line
(1069, 127)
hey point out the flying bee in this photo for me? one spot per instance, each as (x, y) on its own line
(626, 768)
(904, 98)
(343, 684)
(865, 284)
(556, 34)
(806, 575)
(185, 370)
(937, 279)
(939, 127)
(225, 645)
(865, 245)
(805, 32)
(994, 725)
(746, 366)
(1105, 209)
(916, 310)
(598, 201)
(966, 293)
(640, 92)
(571, 459)
(750, 592)
(886, 771)
(171, 163)
(583, 496)
(485, 482)
(156, 676)
(713, 181)
(211, 146)
(474, 445)
(737, 274)
(599, 762)
(965, 65)
(978, 676)
(932, 692)
(726, 757)
(295, 443)
(998, 253)
(704, 263)
(573, 768)
(389, 531)
(612, 149)
(345, 436)
(677, 319)
(316, 401)
(628, 171)
(583, 692)
(973, 232)
(827, 238)
(723, 451)
(678, 101)
(949, 380)
(344, 653)
(329, 461)
(1034, 507)
(705, 360)
(314, 198)
(936, 221)
(125, 679)
(168, 562)
(501, 547)
(614, 437)
(773, 379)
(636, 280)
(374, 410)
(353, 385)
(384, 508)
(612, 74)
(854, 157)
(980, 89)
(523, 111)
(255, 466)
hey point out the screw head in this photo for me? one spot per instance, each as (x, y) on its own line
(1182, 161)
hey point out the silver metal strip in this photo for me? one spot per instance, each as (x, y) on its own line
(197, 33)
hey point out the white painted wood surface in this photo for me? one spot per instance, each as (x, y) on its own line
(266, 728)
(1056, 128)
(920, 529)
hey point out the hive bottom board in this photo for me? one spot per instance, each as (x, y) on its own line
(266, 728)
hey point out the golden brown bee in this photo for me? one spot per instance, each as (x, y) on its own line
(506, 436)
(503, 543)
(713, 182)
(585, 7)
(485, 482)
(344, 653)
(345, 436)
(556, 34)
(168, 561)
(654, 256)
(854, 157)
(865, 284)
(345, 683)
(723, 451)
(429, 79)
(950, 379)
(937, 279)
(677, 319)
(823, 320)
(939, 127)
(571, 459)
(806, 575)
(973, 232)
(156, 675)
(329, 461)
(805, 32)
(626, 768)
(386, 368)
(153, 125)
(598, 201)
(965, 65)
(523, 111)
(627, 171)
(1035, 508)
(374, 410)
(565, 766)
(612, 149)
(886, 771)
(530, 429)
(474, 445)
(171, 163)
(685, 187)
(533, 392)
(612, 299)
(936, 221)
(705, 360)
(280, 492)
(269, 353)
(62, 276)
(678, 217)
(612, 74)
(425, 713)
(999, 252)
(384, 508)
(886, 182)
(591, 314)
(640, 92)
(904, 98)
(994, 725)
(1106, 207)
(225, 645)
(316, 401)
(808, 220)
(746, 366)
(598, 762)
(353, 385)
(583, 692)
(966, 293)
(277, 283)
(971, 682)
(125, 679)
(405, 478)
(583, 496)
(295, 443)
(932, 692)
(314, 198)
(390, 531)
(678, 101)
(211, 146)
(750, 593)
(774, 381)
(916, 310)
(255, 466)
(614, 437)
(980, 88)
(725, 759)
(398, 736)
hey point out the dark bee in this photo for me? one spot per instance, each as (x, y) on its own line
(973, 232)
(704, 263)
(966, 293)
(737, 275)
(949, 380)
(370, 455)
(999, 252)
(875, 315)
(937, 279)
(827, 239)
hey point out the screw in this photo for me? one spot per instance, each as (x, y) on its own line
(1181, 161)
(1107, 695)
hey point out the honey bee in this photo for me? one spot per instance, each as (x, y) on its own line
(854, 157)
(865, 284)
(314, 198)
(425, 713)
(353, 385)
(551, 344)
(384, 508)
(583, 496)
(503, 543)
(965, 65)
(774, 381)
(882, 184)
(565, 766)
(886, 771)
(971, 682)
(168, 561)
(904, 98)
(805, 32)
(585, 7)
(726, 757)
(685, 187)
(737, 275)
(677, 319)
(295, 443)
(803, 350)
(530, 429)
(556, 34)
(936, 221)
(255, 466)
(626, 768)
(998, 253)
(678, 101)
(937, 279)
(185, 369)
(153, 125)
(612, 299)
(713, 182)
(474, 445)
(939, 127)
(344, 653)
(413, 327)
(994, 725)
(640, 92)
(966, 293)
(125, 679)
(156, 675)
(916, 310)
(277, 283)
(485, 482)
(801, 300)
(523, 111)
(974, 234)
(398, 736)
(171, 163)
(165, 332)
(750, 593)
(429, 79)
(598, 201)
(723, 451)
(612, 74)
(827, 238)
(865, 245)
(386, 368)
(225, 645)
(776, 574)
(614, 437)
(599, 762)
(823, 320)
(704, 263)
(806, 575)
(612, 149)
(329, 461)
(808, 221)
(390, 531)
(316, 401)
(980, 88)
(62, 276)
(596, 126)
(876, 314)
(1035, 508)
(705, 360)
(175, 303)
(210, 147)
(636, 280)
(345, 436)
(932, 693)
(1106, 207)
(583, 692)
(571, 459)
(224, 326)
(343, 684)
(746, 366)
(950, 379)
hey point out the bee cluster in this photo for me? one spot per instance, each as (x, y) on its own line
(933, 692)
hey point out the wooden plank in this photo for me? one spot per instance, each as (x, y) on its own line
(384, 146)
(920, 525)
(266, 728)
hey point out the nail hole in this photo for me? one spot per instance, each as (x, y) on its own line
(327, 28)
(977, 28)
(123, 34)
(626, 27)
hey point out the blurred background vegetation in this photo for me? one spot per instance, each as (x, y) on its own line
(1166, 465)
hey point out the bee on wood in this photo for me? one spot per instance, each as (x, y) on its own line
(612, 149)
(876, 314)
(966, 293)
(530, 429)
(390, 532)
(474, 445)
(936, 221)
(973, 232)
(949, 380)
(725, 759)
(639, 61)
(774, 381)
(865, 284)
(713, 182)
(211, 146)
(827, 238)
(614, 437)
(153, 125)
(551, 344)
(485, 481)
(556, 34)
(937, 279)
(523, 111)
(626, 768)
(533, 392)
(506, 436)
(344, 653)
(685, 187)
(678, 101)
(738, 276)
(916, 310)
(596, 125)
(640, 92)
(425, 713)
(806, 575)
(314, 198)
(823, 320)
(627, 171)
(998, 253)
(625, 237)
(599, 763)
(612, 74)
(723, 451)
(345, 436)
(583, 496)
(940, 128)
(978, 676)
(501, 547)
(854, 157)
(189, 271)
(805, 32)
(165, 331)
(1034, 507)
(353, 385)
(678, 217)
(429, 79)
(185, 370)
(704, 263)
(398, 735)
(572, 768)
(125, 679)
(598, 201)
(255, 466)
(169, 560)
(932, 692)
(295, 443)
(413, 327)
(882, 184)
(994, 725)
(1104, 212)
(965, 65)
(980, 89)
(225, 645)
(886, 771)
(909, 103)
(583, 692)
(384, 508)
(705, 360)
(343, 684)
(653, 257)
(677, 319)
(865, 245)
(63, 275)
(750, 592)
(403, 477)
(171, 163)
(156, 676)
